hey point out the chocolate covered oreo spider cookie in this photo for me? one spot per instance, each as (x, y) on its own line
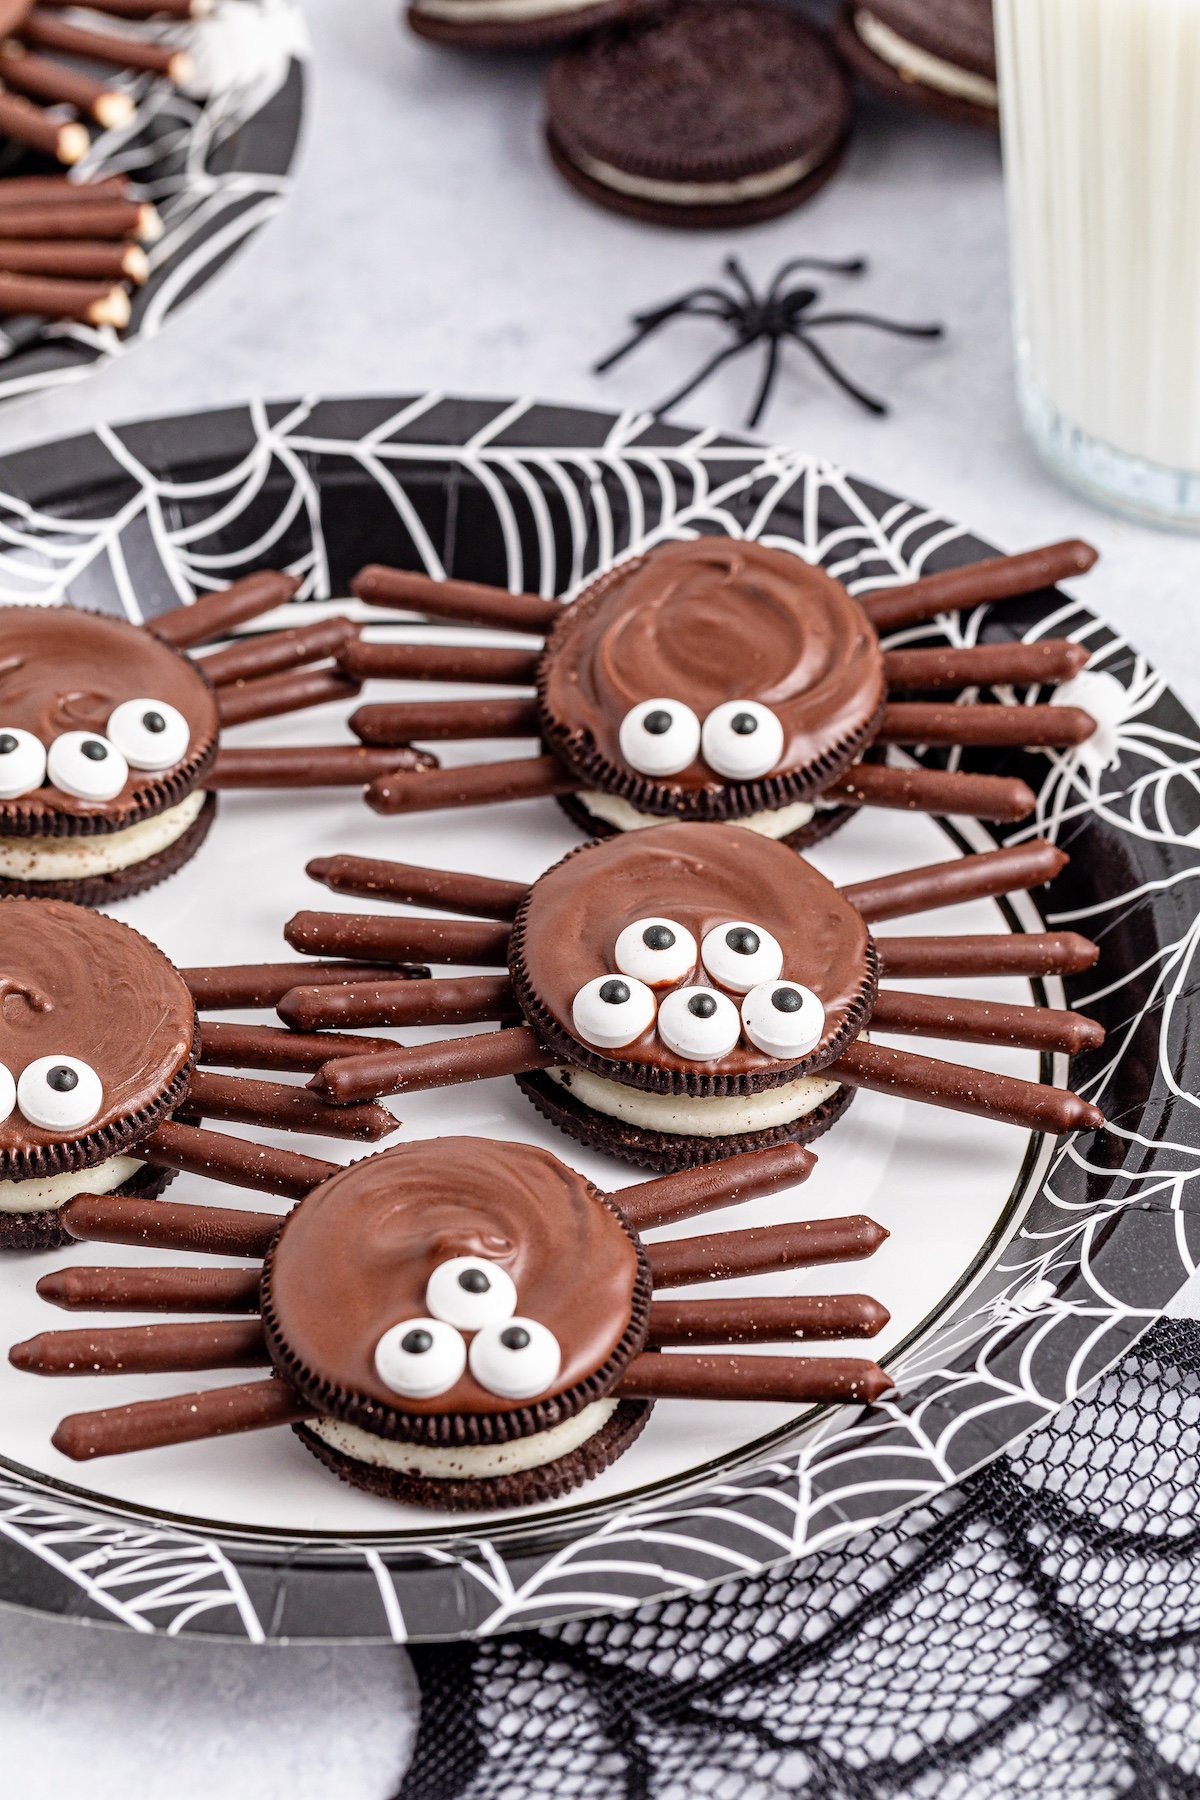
(719, 678)
(692, 991)
(460, 1323)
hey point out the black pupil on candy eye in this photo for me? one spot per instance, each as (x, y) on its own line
(416, 1342)
(743, 941)
(62, 1079)
(658, 937)
(786, 1000)
(745, 724)
(474, 1281)
(94, 750)
(8, 743)
(154, 721)
(657, 722)
(702, 1006)
(515, 1338)
(614, 993)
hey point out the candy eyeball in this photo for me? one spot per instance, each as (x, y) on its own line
(8, 1093)
(59, 1093)
(660, 737)
(783, 1019)
(699, 1023)
(742, 740)
(656, 951)
(517, 1361)
(470, 1292)
(740, 955)
(22, 762)
(420, 1358)
(86, 765)
(613, 1010)
(149, 734)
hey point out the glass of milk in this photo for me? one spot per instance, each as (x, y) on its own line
(1100, 105)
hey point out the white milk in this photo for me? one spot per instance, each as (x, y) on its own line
(1100, 103)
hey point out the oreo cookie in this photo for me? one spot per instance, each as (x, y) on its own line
(940, 56)
(458, 1313)
(706, 114)
(98, 1040)
(515, 24)
(106, 736)
(692, 983)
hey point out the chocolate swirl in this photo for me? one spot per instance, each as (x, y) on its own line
(705, 622)
(64, 670)
(700, 876)
(74, 983)
(355, 1257)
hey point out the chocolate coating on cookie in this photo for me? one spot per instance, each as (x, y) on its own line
(78, 986)
(700, 878)
(356, 1257)
(703, 624)
(61, 671)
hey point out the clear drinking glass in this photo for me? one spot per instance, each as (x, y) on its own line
(1100, 107)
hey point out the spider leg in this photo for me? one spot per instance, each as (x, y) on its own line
(855, 265)
(709, 368)
(649, 322)
(896, 326)
(735, 270)
(767, 381)
(836, 375)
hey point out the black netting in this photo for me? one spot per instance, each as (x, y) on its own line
(1035, 1632)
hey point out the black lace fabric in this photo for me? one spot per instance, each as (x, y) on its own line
(1036, 1631)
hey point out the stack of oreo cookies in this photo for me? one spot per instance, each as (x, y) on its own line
(710, 113)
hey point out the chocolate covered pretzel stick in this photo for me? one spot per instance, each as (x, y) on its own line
(148, 1424)
(961, 1089)
(275, 652)
(275, 694)
(398, 939)
(439, 662)
(983, 665)
(48, 32)
(212, 615)
(985, 1022)
(144, 1349)
(411, 1068)
(85, 261)
(480, 784)
(212, 1153)
(765, 1320)
(87, 302)
(169, 1225)
(141, 9)
(997, 727)
(974, 584)
(468, 601)
(28, 124)
(227, 1046)
(668, 1198)
(153, 1290)
(979, 877)
(762, 1250)
(237, 985)
(405, 721)
(324, 765)
(473, 1000)
(75, 216)
(450, 890)
(1005, 953)
(803, 1380)
(998, 797)
(55, 82)
(275, 1107)
(50, 190)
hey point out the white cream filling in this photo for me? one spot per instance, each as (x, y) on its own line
(76, 858)
(912, 63)
(469, 1463)
(779, 823)
(53, 1191)
(696, 193)
(686, 1116)
(468, 11)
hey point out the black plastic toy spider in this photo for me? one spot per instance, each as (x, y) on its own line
(778, 313)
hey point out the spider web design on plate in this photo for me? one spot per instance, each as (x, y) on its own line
(215, 165)
(140, 519)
